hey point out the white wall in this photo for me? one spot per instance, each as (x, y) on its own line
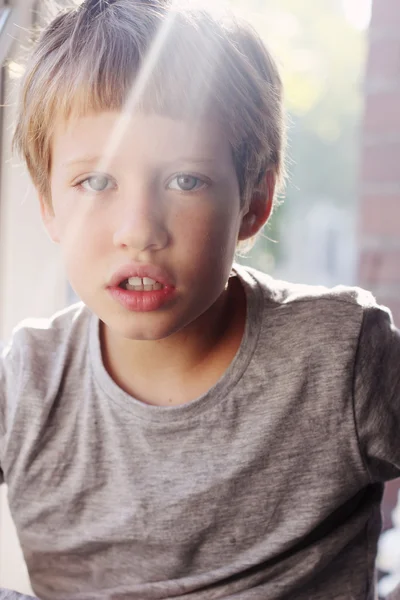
(32, 281)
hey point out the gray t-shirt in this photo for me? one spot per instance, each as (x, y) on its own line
(266, 487)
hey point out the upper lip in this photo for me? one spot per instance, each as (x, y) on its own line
(140, 270)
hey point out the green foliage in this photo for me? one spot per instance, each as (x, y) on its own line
(322, 63)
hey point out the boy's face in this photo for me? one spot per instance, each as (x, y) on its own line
(165, 205)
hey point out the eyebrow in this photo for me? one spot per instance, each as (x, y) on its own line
(83, 161)
(193, 159)
(98, 159)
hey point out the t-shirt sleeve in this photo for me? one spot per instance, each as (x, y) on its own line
(377, 394)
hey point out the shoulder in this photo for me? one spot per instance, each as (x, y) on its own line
(34, 361)
(284, 293)
(314, 313)
(341, 302)
(36, 340)
(51, 330)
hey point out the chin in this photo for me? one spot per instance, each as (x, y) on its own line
(141, 329)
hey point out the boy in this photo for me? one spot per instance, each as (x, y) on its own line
(192, 429)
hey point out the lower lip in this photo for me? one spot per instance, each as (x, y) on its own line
(142, 301)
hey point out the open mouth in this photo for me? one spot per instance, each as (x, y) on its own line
(140, 284)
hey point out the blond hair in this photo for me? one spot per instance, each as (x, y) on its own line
(90, 57)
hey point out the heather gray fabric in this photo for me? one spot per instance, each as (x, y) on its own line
(10, 595)
(267, 487)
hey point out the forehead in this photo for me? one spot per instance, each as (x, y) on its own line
(146, 137)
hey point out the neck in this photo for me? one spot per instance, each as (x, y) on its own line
(185, 356)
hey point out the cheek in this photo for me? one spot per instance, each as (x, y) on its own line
(77, 223)
(209, 224)
(82, 243)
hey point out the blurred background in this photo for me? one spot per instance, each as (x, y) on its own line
(340, 220)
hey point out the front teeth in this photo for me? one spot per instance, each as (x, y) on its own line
(145, 284)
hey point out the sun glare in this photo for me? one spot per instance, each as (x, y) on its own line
(142, 80)
(136, 92)
(358, 12)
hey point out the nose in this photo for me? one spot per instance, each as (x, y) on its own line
(141, 223)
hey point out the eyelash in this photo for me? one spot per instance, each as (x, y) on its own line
(80, 184)
(202, 181)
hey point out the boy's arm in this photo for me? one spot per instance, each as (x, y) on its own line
(377, 394)
(5, 594)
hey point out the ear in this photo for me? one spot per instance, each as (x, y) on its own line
(49, 218)
(260, 207)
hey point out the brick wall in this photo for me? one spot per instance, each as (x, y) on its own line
(379, 223)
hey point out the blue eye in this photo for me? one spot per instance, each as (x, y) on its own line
(96, 183)
(186, 183)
